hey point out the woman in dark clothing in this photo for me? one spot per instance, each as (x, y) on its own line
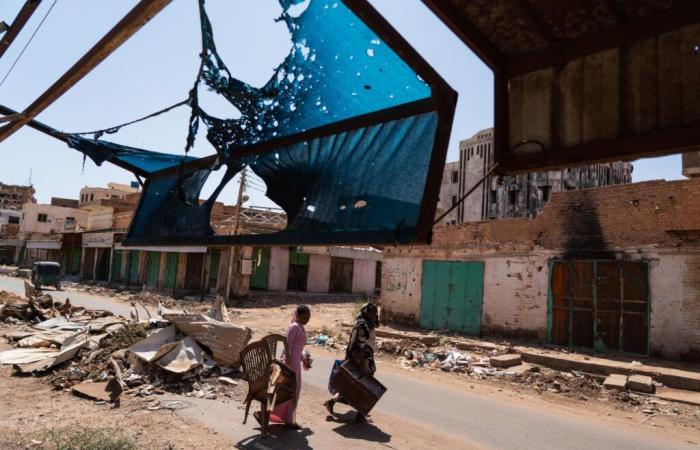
(360, 350)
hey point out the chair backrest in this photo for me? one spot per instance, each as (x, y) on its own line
(255, 361)
(273, 341)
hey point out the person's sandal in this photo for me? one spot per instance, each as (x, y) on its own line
(360, 418)
(293, 426)
(329, 406)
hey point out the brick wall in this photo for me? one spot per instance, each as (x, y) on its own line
(605, 218)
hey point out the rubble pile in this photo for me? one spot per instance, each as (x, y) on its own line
(100, 356)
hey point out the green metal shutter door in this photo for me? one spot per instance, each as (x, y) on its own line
(117, 266)
(153, 269)
(134, 257)
(452, 295)
(261, 257)
(170, 273)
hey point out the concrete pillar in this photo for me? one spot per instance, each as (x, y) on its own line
(363, 276)
(111, 261)
(94, 266)
(279, 269)
(319, 273)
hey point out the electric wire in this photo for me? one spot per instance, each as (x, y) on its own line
(14, 63)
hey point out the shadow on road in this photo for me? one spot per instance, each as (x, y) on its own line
(358, 431)
(278, 437)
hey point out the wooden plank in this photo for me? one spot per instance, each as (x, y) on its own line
(516, 105)
(570, 107)
(144, 11)
(625, 34)
(537, 106)
(601, 96)
(459, 23)
(20, 21)
(641, 86)
(690, 74)
(659, 143)
(670, 88)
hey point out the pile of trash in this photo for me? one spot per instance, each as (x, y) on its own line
(99, 355)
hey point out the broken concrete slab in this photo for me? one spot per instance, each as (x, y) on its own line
(615, 382)
(183, 357)
(107, 391)
(148, 348)
(224, 340)
(508, 360)
(641, 383)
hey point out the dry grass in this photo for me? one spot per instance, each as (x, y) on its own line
(76, 438)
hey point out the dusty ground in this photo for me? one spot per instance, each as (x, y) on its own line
(30, 407)
(266, 313)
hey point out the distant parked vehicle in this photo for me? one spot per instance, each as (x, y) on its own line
(46, 273)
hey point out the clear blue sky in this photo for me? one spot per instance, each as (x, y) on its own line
(157, 66)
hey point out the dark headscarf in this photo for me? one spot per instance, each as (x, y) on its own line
(370, 314)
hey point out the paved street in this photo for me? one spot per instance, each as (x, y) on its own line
(473, 419)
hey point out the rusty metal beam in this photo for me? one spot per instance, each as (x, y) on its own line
(675, 140)
(20, 21)
(144, 11)
(619, 36)
(459, 23)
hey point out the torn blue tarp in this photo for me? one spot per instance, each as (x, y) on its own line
(139, 161)
(349, 135)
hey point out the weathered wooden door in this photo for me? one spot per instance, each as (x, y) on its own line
(452, 296)
(193, 271)
(341, 275)
(214, 269)
(600, 304)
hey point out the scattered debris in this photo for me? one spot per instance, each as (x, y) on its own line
(108, 391)
(641, 383)
(99, 355)
(616, 382)
(506, 361)
(224, 340)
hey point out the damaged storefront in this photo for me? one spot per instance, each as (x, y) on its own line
(613, 269)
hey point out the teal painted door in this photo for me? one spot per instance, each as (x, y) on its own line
(452, 295)
(261, 258)
(134, 267)
(153, 269)
(170, 273)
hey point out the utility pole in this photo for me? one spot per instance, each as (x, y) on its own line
(233, 254)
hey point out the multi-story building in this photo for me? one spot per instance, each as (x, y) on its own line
(113, 191)
(518, 195)
(13, 196)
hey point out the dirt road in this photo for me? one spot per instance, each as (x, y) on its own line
(424, 413)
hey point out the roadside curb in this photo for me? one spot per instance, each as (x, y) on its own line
(674, 378)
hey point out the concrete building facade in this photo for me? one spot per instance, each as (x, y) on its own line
(316, 269)
(113, 191)
(514, 196)
(614, 269)
(14, 196)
